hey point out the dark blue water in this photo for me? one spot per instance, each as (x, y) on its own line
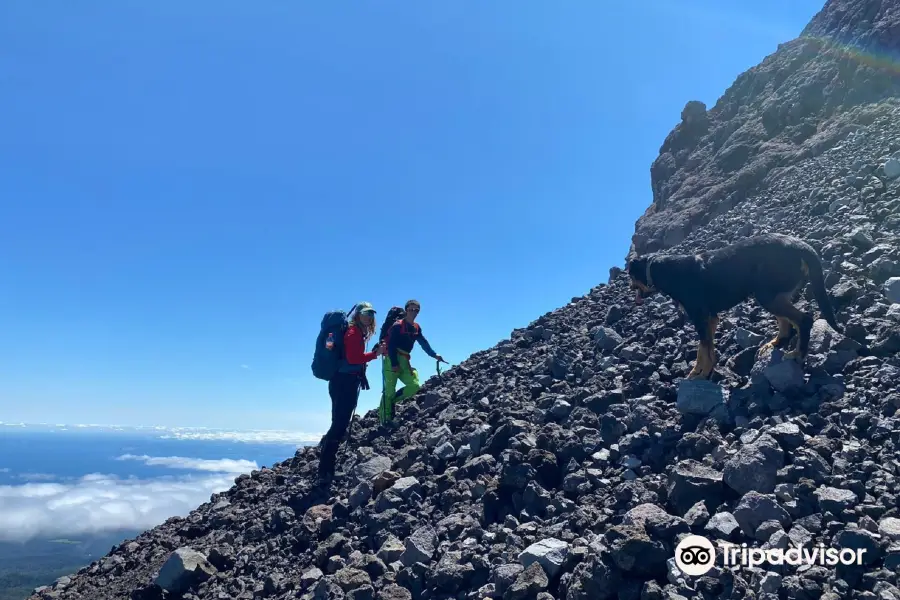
(68, 454)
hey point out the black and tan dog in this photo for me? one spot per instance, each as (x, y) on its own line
(768, 268)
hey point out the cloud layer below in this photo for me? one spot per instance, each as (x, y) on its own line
(222, 465)
(254, 437)
(99, 502)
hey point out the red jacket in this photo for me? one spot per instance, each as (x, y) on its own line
(355, 353)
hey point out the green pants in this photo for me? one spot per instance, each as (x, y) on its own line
(406, 374)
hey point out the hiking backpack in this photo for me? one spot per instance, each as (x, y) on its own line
(327, 361)
(395, 314)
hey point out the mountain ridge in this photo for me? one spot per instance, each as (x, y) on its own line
(789, 107)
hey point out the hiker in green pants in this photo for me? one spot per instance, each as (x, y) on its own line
(395, 366)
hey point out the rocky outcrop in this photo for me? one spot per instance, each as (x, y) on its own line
(800, 101)
(570, 459)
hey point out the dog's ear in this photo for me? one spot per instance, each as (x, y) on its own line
(637, 268)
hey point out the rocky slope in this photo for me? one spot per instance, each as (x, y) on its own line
(799, 101)
(569, 460)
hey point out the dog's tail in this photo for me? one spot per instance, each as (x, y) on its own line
(813, 265)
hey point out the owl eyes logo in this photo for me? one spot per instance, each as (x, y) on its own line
(695, 555)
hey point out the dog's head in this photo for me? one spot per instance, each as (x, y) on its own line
(639, 274)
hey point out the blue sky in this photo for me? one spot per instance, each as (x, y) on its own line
(186, 187)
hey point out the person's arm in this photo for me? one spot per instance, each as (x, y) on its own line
(353, 344)
(392, 344)
(425, 345)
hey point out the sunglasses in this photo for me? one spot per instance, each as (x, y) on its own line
(413, 309)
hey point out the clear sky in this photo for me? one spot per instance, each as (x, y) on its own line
(186, 187)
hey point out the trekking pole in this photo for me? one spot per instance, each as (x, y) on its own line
(382, 406)
(350, 429)
(437, 363)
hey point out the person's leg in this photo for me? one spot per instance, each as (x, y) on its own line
(344, 390)
(410, 379)
(386, 407)
(334, 393)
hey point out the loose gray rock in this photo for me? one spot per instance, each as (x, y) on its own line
(755, 466)
(784, 375)
(755, 508)
(528, 584)
(184, 569)
(634, 552)
(391, 550)
(438, 436)
(361, 494)
(691, 482)
(310, 577)
(722, 525)
(889, 527)
(788, 435)
(505, 575)
(656, 522)
(891, 168)
(700, 397)
(747, 339)
(372, 468)
(835, 500)
(419, 547)
(606, 339)
(697, 516)
(892, 290)
(551, 553)
(445, 451)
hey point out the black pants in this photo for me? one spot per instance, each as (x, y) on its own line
(344, 391)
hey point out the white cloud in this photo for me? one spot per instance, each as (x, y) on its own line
(245, 366)
(99, 502)
(256, 437)
(4, 470)
(224, 465)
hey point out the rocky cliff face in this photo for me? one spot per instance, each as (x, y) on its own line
(569, 460)
(800, 101)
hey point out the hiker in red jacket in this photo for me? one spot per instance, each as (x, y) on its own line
(344, 387)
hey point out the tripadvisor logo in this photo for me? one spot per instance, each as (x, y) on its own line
(695, 555)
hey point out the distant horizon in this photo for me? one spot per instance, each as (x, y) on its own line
(185, 432)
